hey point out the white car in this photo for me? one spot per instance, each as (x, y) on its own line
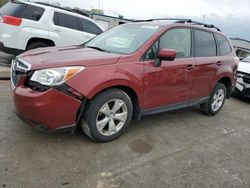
(28, 25)
(243, 78)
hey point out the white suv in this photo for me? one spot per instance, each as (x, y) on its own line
(26, 25)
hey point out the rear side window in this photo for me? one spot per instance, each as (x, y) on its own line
(65, 20)
(223, 45)
(21, 10)
(89, 27)
(205, 45)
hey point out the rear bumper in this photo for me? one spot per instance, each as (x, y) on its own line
(48, 111)
(7, 50)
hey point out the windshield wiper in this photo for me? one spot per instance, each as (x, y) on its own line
(97, 48)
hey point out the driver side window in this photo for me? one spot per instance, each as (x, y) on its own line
(178, 40)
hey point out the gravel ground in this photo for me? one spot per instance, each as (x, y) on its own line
(5, 61)
(177, 149)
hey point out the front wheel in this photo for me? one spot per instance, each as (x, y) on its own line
(216, 100)
(107, 115)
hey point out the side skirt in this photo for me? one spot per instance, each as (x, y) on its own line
(173, 107)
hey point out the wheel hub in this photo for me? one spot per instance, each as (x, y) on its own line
(218, 100)
(111, 117)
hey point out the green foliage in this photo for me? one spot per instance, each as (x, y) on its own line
(97, 11)
(2, 2)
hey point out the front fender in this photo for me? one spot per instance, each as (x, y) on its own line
(95, 79)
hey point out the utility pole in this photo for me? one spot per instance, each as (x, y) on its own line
(99, 4)
(204, 16)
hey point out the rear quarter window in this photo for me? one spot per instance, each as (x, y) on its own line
(89, 27)
(66, 21)
(223, 45)
(21, 10)
(205, 45)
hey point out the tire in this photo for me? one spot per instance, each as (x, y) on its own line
(216, 100)
(35, 45)
(112, 110)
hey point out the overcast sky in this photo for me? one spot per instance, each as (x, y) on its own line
(232, 16)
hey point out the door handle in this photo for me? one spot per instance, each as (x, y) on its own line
(88, 36)
(57, 30)
(219, 63)
(190, 67)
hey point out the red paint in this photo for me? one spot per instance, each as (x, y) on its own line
(51, 108)
(167, 54)
(173, 82)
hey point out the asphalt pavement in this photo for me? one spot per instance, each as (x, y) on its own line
(182, 148)
(5, 63)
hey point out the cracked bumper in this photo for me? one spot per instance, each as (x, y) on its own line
(50, 110)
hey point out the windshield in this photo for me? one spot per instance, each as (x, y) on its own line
(247, 59)
(123, 39)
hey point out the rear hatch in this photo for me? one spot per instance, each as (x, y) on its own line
(12, 13)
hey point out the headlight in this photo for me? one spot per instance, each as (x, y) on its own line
(55, 76)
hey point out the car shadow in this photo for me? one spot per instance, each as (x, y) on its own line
(241, 98)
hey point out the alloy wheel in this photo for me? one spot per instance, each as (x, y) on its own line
(218, 100)
(111, 117)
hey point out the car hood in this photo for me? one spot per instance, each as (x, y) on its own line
(67, 56)
(244, 67)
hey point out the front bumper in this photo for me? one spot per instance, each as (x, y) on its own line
(50, 110)
(243, 88)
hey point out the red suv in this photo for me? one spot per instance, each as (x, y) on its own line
(127, 72)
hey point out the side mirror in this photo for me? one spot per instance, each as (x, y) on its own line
(167, 54)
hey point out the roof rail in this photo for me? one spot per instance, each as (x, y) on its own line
(198, 23)
(155, 19)
(180, 20)
(63, 8)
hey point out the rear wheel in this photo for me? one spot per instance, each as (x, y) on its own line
(107, 116)
(216, 100)
(35, 45)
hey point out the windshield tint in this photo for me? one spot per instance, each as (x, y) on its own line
(123, 39)
(246, 60)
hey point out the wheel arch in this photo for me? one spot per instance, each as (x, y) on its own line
(128, 89)
(226, 80)
(38, 39)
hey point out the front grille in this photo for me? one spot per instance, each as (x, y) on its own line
(246, 79)
(245, 76)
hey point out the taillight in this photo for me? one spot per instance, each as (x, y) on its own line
(11, 20)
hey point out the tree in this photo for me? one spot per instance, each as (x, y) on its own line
(2, 2)
(97, 11)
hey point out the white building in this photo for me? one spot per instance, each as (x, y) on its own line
(241, 46)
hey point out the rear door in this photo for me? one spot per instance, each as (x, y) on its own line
(89, 29)
(207, 63)
(67, 29)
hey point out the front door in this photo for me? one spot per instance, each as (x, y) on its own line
(171, 82)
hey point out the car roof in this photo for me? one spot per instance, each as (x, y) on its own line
(171, 23)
